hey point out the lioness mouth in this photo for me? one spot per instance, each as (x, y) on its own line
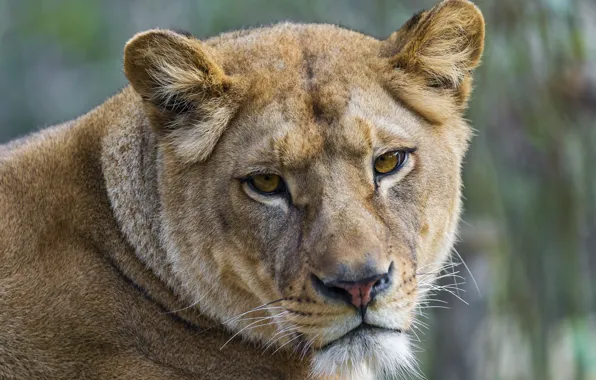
(360, 332)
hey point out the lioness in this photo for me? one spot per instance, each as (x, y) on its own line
(269, 203)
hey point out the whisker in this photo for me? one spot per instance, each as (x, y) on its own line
(436, 307)
(279, 315)
(272, 340)
(245, 327)
(287, 332)
(453, 274)
(420, 323)
(416, 335)
(439, 269)
(307, 347)
(469, 271)
(263, 306)
(456, 296)
(280, 347)
(427, 300)
(421, 331)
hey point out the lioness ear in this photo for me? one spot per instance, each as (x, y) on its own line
(442, 46)
(187, 96)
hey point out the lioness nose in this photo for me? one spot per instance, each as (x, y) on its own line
(358, 293)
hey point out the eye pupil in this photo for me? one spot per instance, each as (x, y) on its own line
(267, 183)
(390, 162)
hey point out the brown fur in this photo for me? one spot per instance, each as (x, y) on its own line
(129, 242)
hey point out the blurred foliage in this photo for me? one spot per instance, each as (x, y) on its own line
(529, 233)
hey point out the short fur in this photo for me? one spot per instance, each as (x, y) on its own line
(132, 247)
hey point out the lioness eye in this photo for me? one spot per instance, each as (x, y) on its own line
(267, 183)
(390, 161)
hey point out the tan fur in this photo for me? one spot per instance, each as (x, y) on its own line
(131, 247)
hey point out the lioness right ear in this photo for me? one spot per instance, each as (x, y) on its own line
(188, 98)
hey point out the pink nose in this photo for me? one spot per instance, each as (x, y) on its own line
(361, 293)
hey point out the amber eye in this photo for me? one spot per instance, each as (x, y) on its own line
(390, 161)
(267, 183)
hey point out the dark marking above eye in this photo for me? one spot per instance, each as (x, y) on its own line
(317, 111)
(309, 73)
(309, 60)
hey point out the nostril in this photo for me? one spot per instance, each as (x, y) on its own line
(340, 292)
(332, 292)
(382, 283)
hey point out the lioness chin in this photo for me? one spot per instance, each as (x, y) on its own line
(270, 203)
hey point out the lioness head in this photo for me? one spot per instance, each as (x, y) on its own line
(310, 176)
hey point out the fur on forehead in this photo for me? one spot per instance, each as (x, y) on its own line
(192, 90)
(277, 140)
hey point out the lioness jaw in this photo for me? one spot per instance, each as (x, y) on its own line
(272, 203)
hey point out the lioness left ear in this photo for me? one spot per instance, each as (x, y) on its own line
(442, 46)
(188, 98)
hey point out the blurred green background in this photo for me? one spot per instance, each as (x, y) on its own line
(529, 231)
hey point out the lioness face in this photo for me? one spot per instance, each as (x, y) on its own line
(310, 177)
